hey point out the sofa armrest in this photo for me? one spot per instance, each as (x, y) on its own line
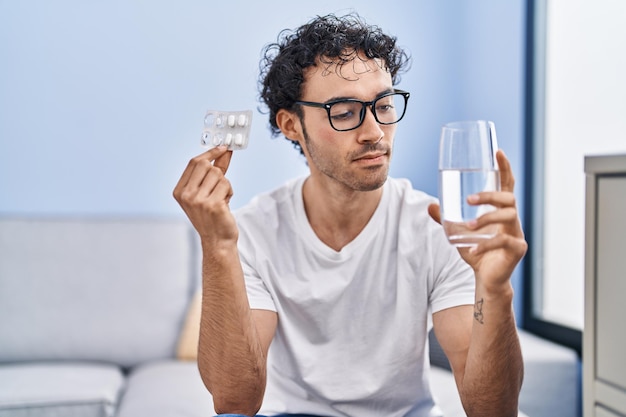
(551, 378)
(552, 375)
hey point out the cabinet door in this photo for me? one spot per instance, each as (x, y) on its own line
(603, 412)
(611, 281)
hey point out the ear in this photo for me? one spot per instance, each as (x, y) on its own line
(289, 124)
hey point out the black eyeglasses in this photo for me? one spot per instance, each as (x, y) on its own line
(348, 114)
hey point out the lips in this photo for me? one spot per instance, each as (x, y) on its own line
(368, 156)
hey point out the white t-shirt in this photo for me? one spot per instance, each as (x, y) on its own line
(352, 325)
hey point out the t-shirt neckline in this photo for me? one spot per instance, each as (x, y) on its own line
(318, 245)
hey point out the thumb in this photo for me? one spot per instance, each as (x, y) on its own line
(435, 212)
(223, 161)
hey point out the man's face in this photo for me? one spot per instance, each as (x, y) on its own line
(357, 159)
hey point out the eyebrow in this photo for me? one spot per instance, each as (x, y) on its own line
(337, 98)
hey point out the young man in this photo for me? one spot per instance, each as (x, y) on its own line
(318, 297)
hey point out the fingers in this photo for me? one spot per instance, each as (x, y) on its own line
(506, 216)
(494, 198)
(506, 213)
(198, 167)
(516, 247)
(507, 180)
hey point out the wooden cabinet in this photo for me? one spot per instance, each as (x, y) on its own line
(604, 336)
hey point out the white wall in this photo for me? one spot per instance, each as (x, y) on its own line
(585, 115)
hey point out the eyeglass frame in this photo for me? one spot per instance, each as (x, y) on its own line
(327, 106)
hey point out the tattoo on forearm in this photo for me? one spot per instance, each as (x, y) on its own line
(478, 311)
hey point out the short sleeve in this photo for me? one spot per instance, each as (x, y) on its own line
(258, 295)
(453, 283)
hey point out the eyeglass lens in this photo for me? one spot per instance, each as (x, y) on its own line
(349, 114)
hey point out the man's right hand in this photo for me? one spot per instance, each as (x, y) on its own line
(203, 192)
(234, 340)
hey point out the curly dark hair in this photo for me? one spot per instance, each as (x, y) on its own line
(334, 40)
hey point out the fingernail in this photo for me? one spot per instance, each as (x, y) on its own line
(472, 223)
(472, 198)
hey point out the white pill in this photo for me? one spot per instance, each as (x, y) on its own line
(226, 128)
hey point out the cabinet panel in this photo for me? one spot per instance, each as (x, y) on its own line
(604, 336)
(603, 412)
(611, 281)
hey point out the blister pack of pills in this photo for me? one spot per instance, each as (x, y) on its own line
(230, 128)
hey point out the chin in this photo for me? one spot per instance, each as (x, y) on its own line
(375, 184)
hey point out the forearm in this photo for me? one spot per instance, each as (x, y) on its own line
(493, 372)
(230, 358)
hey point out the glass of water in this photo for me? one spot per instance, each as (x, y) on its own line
(467, 165)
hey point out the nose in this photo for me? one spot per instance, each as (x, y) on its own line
(370, 130)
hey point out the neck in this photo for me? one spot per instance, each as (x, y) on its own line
(337, 215)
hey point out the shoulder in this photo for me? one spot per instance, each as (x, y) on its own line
(402, 193)
(408, 208)
(268, 208)
(270, 199)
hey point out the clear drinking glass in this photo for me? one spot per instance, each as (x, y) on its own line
(467, 165)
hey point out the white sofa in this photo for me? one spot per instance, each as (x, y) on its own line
(551, 380)
(99, 317)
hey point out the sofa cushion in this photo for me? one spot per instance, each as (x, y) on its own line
(187, 348)
(447, 395)
(445, 392)
(552, 378)
(166, 388)
(113, 290)
(61, 389)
